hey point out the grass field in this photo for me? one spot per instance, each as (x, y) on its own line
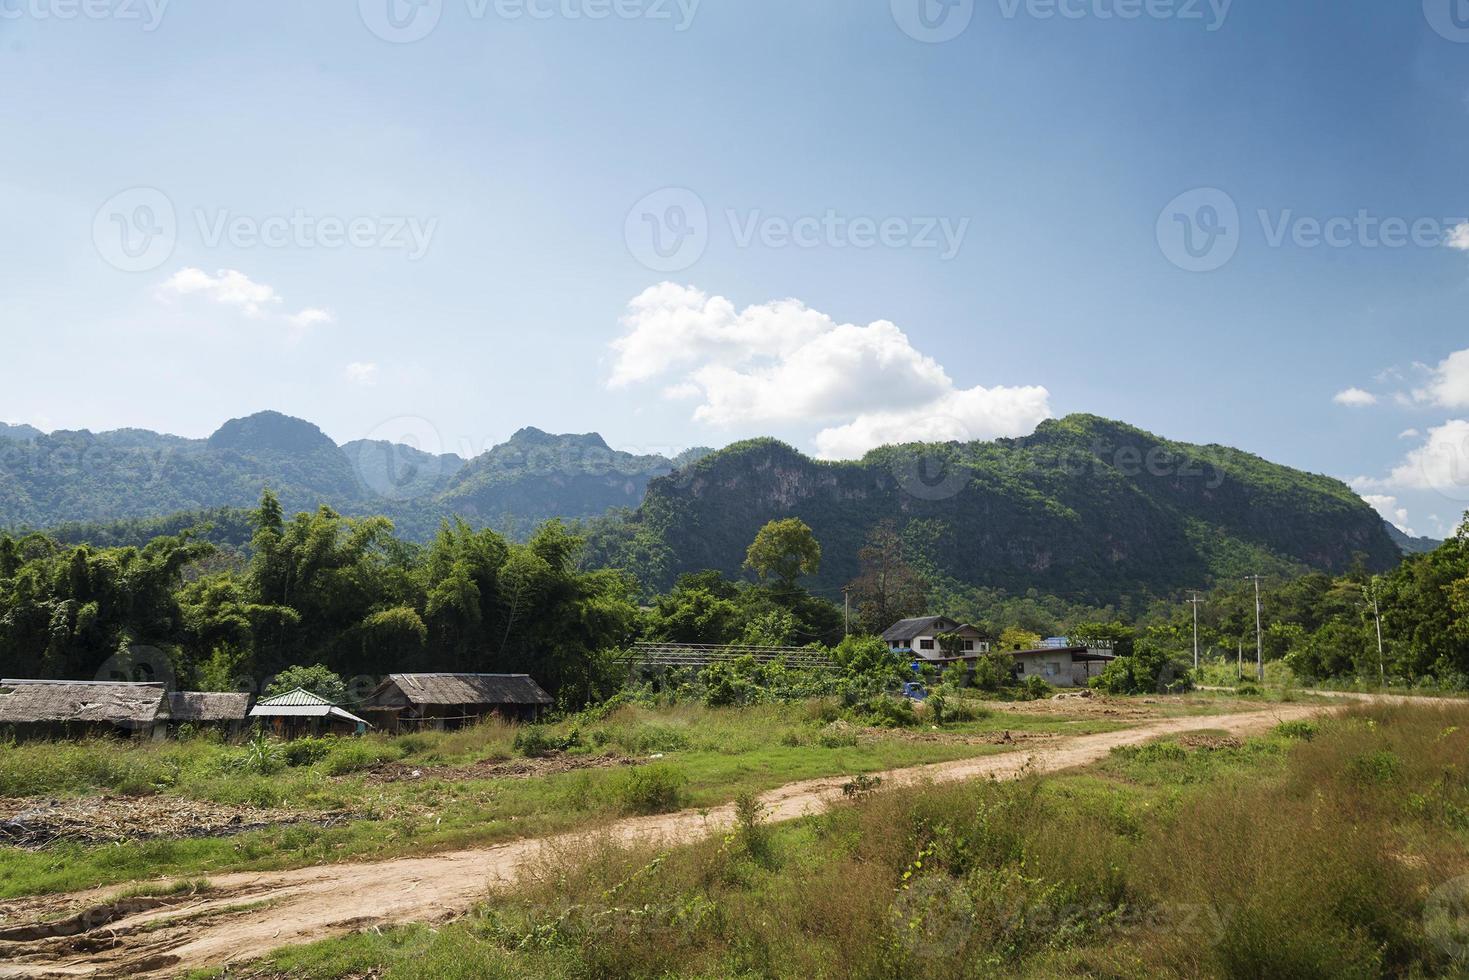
(687, 756)
(1328, 849)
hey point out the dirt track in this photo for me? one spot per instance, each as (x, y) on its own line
(246, 915)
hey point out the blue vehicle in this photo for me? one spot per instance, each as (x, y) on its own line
(915, 691)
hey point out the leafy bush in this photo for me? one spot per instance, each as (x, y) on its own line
(1149, 670)
(307, 751)
(657, 788)
(1036, 688)
(1299, 729)
(892, 712)
(536, 741)
(354, 755)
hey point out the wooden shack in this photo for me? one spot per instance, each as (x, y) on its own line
(413, 702)
(71, 709)
(225, 712)
(299, 713)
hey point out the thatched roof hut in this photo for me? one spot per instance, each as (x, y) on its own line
(69, 706)
(227, 710)
(451, 700)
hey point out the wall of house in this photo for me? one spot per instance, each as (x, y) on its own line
(1060, 664)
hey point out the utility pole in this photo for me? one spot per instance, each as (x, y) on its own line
(1377, 615)
(1195, 601)
(846, 613)
(1259, 633)
(1239, 667)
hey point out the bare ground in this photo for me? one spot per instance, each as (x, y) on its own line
(246, 915)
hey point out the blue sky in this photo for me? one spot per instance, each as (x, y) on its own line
(865, 234)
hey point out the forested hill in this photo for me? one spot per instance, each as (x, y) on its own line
(109, 481)
(1084, 507)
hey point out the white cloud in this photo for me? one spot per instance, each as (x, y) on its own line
(782, 362)
(1391, 510)
(1441, 464)
(362, 373)
(1459, 237)
(1448, 384)
(1410, 434)
(310, 317)
(232, 288)
(1355, 398)
(227, 287)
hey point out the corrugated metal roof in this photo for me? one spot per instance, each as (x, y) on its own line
(300, 697)
(450, 689)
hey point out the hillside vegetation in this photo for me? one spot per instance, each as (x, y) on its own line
(1085, 507)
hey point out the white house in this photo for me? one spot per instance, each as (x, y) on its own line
(920, 636)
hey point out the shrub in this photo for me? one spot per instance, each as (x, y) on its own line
(892, 712)
(354, 755)
(1300, 729)
(536, 741)
(657, 788)
(307, 751)
(1037, 689)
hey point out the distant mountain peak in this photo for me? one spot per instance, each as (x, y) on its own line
(270, 432)
(531, 436)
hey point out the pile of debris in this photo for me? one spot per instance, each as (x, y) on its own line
(40, 823)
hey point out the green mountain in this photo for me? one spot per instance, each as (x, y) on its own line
(1411, 545)
(117, 484)
(1085, 507)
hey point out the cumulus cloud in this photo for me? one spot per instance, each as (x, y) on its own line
(1448, 383)
(1391, 511)
(783, 362)
(1355, 398)
(362, 373)
(1459, 237)
(1440, 464)
(227, 287)
(232, 288)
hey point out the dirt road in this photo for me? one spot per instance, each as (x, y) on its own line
(247, 915)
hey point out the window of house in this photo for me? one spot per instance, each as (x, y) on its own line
(925, 644)
(968, 644)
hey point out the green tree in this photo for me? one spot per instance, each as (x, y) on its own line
(318, 679)
(783, 551)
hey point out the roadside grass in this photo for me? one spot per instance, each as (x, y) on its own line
(1293, 855)
(709, 756)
